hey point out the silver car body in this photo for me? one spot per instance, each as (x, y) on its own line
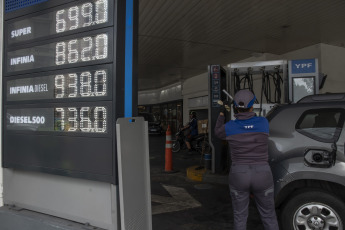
(287, 148)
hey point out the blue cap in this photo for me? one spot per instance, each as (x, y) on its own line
(244, 99)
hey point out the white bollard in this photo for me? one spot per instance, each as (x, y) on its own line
(1, 186)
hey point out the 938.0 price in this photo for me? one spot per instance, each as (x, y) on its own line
(85, 84)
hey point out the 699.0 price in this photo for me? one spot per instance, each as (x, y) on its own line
(87, 14)
(84, 119)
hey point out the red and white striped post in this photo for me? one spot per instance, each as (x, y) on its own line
(168, 151)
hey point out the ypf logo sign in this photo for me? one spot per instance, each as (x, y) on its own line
(303, 66)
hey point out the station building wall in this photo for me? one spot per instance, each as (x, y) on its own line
(332, 64)
(170, 93)
(193, 92)
(165, 104)
(195, 96)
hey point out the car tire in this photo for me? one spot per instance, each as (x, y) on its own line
(312, 210)
(176, 147)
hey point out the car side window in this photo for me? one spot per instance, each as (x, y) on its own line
(324, 125)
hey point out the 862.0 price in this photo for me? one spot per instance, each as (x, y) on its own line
(83, 49)
(84, 119)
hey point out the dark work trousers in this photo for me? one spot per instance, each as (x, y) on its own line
(258, 180)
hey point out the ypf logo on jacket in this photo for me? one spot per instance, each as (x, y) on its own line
(252, 125)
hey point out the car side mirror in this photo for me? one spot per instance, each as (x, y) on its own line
(320, 158)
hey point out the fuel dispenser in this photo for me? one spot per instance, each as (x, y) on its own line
(266, 79)
(273, 82)
(217, 83)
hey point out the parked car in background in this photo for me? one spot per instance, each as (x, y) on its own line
(154, 125)
(306, 154)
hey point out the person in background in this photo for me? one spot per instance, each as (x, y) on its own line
(250, 172)
(191, 130)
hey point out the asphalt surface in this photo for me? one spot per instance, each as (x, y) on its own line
(181, 204)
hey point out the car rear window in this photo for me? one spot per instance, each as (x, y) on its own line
(324, 125)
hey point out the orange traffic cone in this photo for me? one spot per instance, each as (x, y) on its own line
(168, 151)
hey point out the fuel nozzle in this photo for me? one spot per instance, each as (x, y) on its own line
(231, 99)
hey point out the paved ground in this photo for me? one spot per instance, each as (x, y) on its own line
(181, 204)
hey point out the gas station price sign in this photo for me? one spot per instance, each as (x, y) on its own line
(59, 88)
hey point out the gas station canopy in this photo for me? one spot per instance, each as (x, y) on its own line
(178, 39)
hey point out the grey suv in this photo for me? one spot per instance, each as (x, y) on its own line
(306, 154)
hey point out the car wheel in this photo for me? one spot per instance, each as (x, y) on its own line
(176, 147)
(313, 210)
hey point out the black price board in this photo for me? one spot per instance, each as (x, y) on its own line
(62, 87)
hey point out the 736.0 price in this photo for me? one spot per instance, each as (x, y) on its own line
(84, 119)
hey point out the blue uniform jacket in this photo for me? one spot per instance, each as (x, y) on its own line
(247, 137)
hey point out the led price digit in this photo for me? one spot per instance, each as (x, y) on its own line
(85, 121)
(72, 119)
(73, 55)
(73, 14)
(60, 21)
(59, 86)
(101, 46)
(85, 84)
(100, 87)
(60, 117)
(72, 85)
(60, 57)
(100, 119)
(86, 53)
(86, 12)
(101, 11)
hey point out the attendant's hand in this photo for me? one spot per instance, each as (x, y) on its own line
(224, 107)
